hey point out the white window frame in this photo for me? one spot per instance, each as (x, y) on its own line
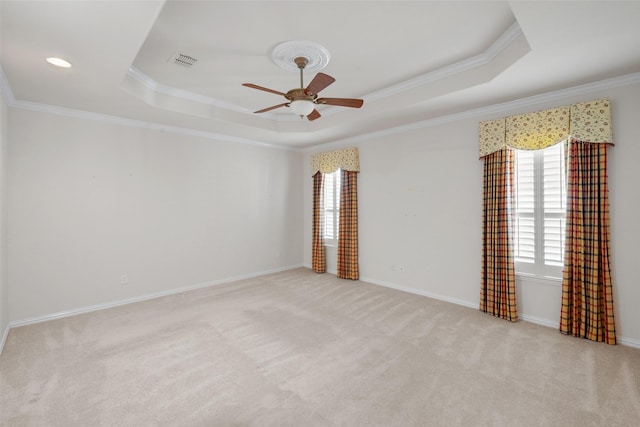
(331, 207)
(538, 266)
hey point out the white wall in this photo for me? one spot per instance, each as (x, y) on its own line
(420, 207)
(90, 201)
(4, 286)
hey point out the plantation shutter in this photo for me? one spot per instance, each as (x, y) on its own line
(540, 223)
(554, 205)
(332, 205)
(524, 242)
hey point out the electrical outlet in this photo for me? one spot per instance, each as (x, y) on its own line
(124, 279)
(401, 269)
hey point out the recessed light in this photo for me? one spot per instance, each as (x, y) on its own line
(59, 62)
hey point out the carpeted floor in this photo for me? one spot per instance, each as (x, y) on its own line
(300, 349)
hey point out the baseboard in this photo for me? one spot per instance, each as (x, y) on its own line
(629, 342)
(5, 334)
(526, 318)
(96, 307)
(334, 272)
(421, 293)
(539, 321)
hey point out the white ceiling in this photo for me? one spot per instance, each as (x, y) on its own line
(409, 61)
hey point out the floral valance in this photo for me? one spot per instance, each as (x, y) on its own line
(346, 159)
(587, 122)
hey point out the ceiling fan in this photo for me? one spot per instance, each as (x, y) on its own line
(303, 100)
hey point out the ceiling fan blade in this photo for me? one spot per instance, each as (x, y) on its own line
(264, 110)
(319, 82)
(251, 85)
(313, 115)
(343, 102)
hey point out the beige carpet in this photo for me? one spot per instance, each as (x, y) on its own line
(301, 349)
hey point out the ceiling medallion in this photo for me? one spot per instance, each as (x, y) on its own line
(284, 55)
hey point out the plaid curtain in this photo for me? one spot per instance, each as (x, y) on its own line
(587, 300)
(498, 282)
(348, 233)
(318, 257)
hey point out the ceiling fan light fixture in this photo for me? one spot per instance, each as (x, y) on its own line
(302, 107)
(302, 101)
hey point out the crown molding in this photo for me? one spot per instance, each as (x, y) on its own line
(489, 110)
(483, 58)
(497, 47)
(5, 88)
(10, 100)
(486, 111)
(143, 79)
(105, 118)
(561, 94)
(137, 78)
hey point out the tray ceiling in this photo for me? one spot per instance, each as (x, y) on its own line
(409, 61)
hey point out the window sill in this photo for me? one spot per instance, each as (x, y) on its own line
(529, 279)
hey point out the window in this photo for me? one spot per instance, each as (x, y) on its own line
(331, 207)
(540, 192)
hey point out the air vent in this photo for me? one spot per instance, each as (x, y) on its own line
(184, 60)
